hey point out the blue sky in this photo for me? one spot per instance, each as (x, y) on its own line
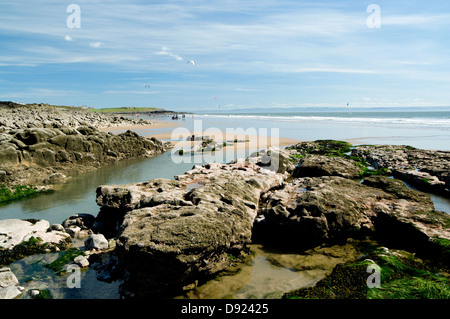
(248, 54)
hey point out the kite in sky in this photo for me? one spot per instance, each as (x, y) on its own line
(191, 61)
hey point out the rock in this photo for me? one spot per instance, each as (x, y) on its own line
(55, 178)
(276, 160)
(84, 221)
(10, 292)
(20, 238)
(427, 170)
(73, 231)
(13, 231)
(96, 241)
(311, 211)
(320, 165)
(39, 140)
(8, 284)
(7, 278)
(195, 230)
(57, 227)
(81, 261)
(3, 176)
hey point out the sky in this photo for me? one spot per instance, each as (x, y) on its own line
(266, 54)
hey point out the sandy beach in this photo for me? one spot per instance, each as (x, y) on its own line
(232, 140)
(179, 135)
(154, 125)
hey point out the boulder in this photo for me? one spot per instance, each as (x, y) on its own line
(81, 261)
(96, 241)
(84, 221)
(10, 292)
(8, 284)
(55, 178)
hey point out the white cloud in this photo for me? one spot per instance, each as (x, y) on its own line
(68, 38)
(96, 44)
(166, 51)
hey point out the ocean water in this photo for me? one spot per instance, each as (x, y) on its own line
(424, 129)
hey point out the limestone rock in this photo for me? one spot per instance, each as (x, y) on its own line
(194, 229)
(96, 241)
(319, 165)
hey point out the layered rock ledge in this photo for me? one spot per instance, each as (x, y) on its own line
(44, 145)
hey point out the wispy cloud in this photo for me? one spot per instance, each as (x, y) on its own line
(130, 92)
(247, 90)
(95, 44)
(166, 51)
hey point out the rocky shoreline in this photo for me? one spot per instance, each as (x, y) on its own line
(42, 145)
(164, 237)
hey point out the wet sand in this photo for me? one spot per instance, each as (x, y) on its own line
(179, 135)
(244, 141)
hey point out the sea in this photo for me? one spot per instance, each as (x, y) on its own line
(426, 129)
(421, 129)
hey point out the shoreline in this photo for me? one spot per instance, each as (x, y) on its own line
(155, 125)
(178, 139)
(243, 140)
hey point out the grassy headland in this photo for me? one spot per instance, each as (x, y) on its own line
(128, 109)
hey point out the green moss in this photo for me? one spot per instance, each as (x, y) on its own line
(31, 247)
(16, 192)
(403, 276)
(412, 288)
(44, 294)
(65, 258)
(325, 147)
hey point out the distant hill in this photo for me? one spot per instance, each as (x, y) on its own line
(135, 110)
(127, 109)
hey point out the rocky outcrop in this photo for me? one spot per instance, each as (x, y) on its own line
(22, 116)
(46, 156)
(320, 165)
(45, 145)
(174, 233)
(20, 238)
(424, 169)
(312, 211)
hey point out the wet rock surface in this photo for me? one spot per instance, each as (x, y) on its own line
(425, 169)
